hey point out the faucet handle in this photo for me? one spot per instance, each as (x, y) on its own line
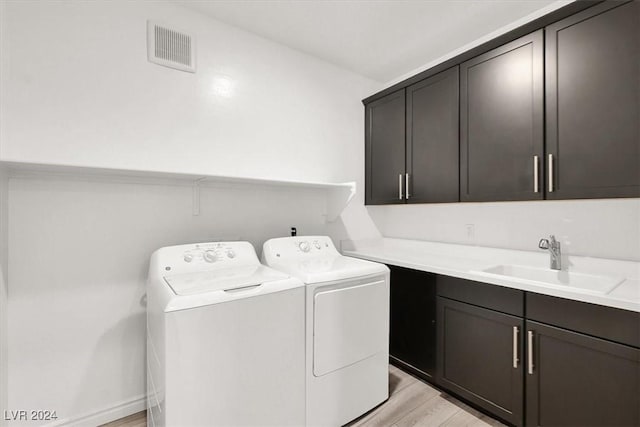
(543, 244)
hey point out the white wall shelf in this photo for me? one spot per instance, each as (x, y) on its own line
(338, 194)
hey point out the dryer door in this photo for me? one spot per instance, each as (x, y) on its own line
(350, 324)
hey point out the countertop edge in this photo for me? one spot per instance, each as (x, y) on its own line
(604, 300)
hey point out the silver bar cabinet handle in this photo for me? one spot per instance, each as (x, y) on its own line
(530, 352)
(400, 186)
(550, 173)
(406, 185)
(516, 332)
(536, 178)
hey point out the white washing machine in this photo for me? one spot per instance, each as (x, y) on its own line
(225, 339)
(347, 327)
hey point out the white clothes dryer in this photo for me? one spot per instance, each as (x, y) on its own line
(347, 327)
(225, 339)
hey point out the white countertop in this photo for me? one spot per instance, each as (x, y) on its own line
(466, 262)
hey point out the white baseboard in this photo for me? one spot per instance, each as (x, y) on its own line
(106, 415)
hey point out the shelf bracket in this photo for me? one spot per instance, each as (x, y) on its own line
(338, 198)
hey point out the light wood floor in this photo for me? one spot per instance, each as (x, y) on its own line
(415, 403)
(411, 403)
(135, 420)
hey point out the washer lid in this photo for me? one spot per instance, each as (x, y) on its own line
(329, 269)
(223, 279)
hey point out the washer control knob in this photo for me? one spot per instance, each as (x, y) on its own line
(231, 253)
(188, 257)
(304, 246)
(209, 256)
(317, 244)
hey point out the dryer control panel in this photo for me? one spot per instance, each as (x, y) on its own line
(298, 248)
(205, 256)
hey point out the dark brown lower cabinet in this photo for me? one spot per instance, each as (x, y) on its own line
(525, 358)
(579, 380)
(480, 357)
(412, 338)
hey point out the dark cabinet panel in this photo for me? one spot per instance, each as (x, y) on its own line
(593, 103)
(501, 122)
(499, 298)
(479, 357)
(562, 377)
(432, 139)
(385, 149)
(578, 78)
(614, 324)
(577, 380)
(412, 338)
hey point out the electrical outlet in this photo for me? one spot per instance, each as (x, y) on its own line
(471, 232)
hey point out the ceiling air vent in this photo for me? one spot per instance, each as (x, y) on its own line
(171, 48)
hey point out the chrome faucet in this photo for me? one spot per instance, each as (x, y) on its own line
(554, 250)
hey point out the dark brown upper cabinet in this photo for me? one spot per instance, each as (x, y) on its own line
(502, 122)
(385, 150)
(411, 146)
(554, 114)
(593, 103)
(432, 139)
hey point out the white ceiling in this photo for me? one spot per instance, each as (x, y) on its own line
(379, 39)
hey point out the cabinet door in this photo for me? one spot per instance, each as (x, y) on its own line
(578, 380)
(479, 357)
(385, 150)
(501, 122)
(593, 103)
(432, 139)
(413, 321)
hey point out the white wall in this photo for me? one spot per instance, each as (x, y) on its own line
(76, 89)
(605, 228)
(3, 261)
(4, 181)
(78, 263)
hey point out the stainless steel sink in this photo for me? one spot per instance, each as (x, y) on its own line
(579, 282)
